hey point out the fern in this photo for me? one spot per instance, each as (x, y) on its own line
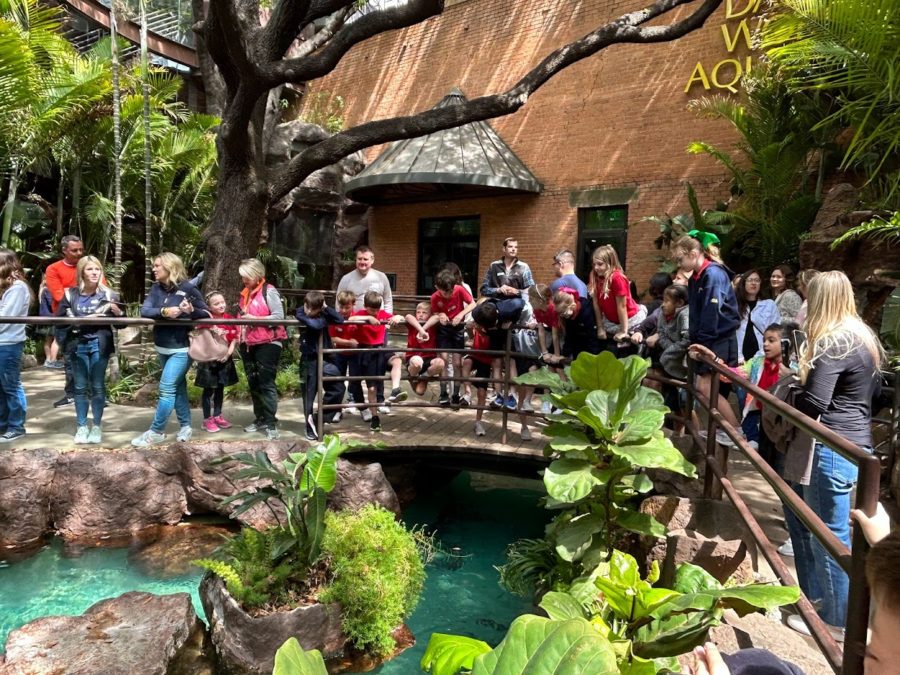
(224, 571)
(877, 228)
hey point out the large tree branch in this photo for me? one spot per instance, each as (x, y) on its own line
(305, 69)
(319, 9)
(213, 84)
(283, 27)
(625, 29)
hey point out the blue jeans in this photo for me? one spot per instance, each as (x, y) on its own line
(172, 391)
(89, 369)
(12, 394)
(828, 495)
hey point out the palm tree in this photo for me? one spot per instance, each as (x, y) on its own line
(849, 50)
(46, 88)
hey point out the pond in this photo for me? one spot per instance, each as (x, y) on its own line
(475, 517)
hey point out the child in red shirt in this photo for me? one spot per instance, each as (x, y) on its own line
(214, 376)
(450, 303)
(480, 365)
(344, 335)
(615, 309)
(371, 334)
(422, 357)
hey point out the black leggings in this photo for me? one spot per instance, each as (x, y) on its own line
(212, 401)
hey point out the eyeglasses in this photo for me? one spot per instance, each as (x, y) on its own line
(556, 262)
(753, 280)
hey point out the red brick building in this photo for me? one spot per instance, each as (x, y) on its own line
(607, 137)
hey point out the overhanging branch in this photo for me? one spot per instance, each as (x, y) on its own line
(283, 27)
(301, 70)
(626, 29)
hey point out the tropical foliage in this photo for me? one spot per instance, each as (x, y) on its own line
(847, 50)
(617, 623)
(607, 432)
(774, 175)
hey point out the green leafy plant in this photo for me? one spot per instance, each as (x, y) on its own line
(377, 571)
(291, 659)
(608, 430)
(299, 485)
(250, 573)
(625, 623)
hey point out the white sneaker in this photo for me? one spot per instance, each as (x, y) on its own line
(81, 435)
(526, 406)
(96, 435)
(546, 407)
(797, 622)
(272, 434)
(479, 428)
(147, 439)
(184, 434)
(787, 549)
(526, 434)
(366, 415)
(753, 444)
(724, 439)
(384, 410)
(353, 410)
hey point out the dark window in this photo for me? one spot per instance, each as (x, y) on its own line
(598, 227)
(443, 240)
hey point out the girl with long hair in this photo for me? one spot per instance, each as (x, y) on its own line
(172, 297)
(15, 298)
(89, 347)
(839, 371)
(615, 309)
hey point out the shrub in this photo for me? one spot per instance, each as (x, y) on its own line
(378, 574)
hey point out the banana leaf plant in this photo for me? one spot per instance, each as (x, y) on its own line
(299, 484)
(607, 431)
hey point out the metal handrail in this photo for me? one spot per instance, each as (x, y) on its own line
(850, 662)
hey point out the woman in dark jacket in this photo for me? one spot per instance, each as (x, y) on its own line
(88, 347)
(171, 297)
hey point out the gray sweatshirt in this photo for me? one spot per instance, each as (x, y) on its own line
(15, 302)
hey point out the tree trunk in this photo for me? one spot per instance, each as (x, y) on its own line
(75, 216)
(117, 140)
(10, 202)
(235, 227)
(148, 165)
(60, 201)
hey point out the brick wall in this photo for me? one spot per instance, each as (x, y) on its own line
(616, 119)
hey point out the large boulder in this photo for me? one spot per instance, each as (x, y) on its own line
(103, 494)
(26, 482)
(134, 633)
(704, 532)
(361, 484)
(247, 644)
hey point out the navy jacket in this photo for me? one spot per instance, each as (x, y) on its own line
(173, 337)
(315, 326)
(713, 306)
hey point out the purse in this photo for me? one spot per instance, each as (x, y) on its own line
(207, 345)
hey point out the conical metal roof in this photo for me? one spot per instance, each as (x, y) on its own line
(471, 160)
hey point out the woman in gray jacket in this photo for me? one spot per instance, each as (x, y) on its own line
(15, 298)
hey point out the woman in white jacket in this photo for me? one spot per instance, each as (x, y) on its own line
(756, 315)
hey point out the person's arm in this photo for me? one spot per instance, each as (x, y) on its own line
(413, 322)
(554, 331)
(527, 277)
(489, 289)
(273, 302)
(387, 296)
(54, 283)
(622, 313)
(463, 312)
(331, 315)
(816, 395)
(313, 322)
(150, 309)
(200, 310)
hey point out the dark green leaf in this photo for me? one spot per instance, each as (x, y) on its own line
(561, 606)
(574, 537)
(574, 440)
(634, 370)
(571, 401)
(568, 480)
(657, 453)
(641, 523)
(694, 579)
(597, 371)
(673, 635)
(543, 377)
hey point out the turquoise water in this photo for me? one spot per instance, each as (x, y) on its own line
(477, 514)
(50, 583)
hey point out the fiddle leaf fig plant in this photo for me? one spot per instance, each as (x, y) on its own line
(607, 431)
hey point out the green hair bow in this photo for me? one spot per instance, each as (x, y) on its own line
(706, 239)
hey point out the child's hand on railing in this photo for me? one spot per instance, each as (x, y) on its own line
(696, 351)
(875, 528)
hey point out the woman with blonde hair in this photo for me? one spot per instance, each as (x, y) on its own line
(615, 309)
(261, 346)
(839, 372)
(172, 297)
(89, 347)
(15, 298)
